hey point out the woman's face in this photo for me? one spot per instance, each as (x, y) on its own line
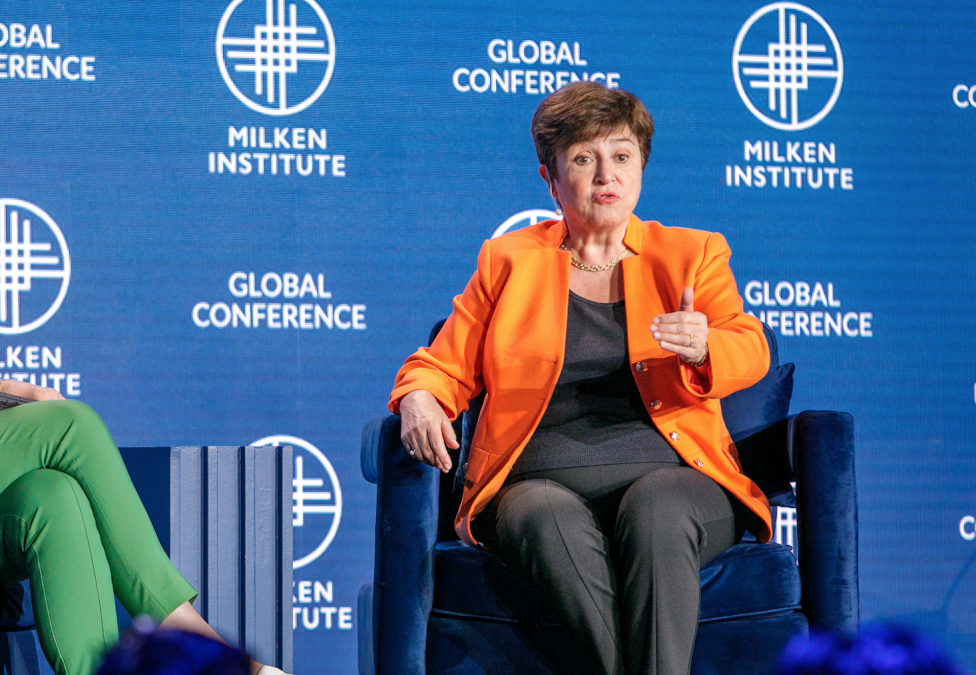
(599, 180)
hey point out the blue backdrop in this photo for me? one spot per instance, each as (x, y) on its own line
(226, 221)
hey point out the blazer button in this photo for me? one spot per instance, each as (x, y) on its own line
(639, 366)
(675, 437)
(699, 464)
(655, 405)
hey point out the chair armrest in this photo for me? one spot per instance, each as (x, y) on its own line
(376, 434)
(407, 494)
(826, 503)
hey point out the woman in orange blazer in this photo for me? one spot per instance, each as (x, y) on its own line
(600, 466)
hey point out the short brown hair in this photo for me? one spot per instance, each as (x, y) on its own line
(582, 111)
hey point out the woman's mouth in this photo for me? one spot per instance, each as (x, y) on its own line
(605, 198)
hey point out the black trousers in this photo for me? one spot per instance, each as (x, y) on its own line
(616, 550)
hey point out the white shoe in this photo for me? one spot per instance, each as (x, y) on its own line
(271, 670)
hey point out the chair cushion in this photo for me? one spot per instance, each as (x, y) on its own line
(749, 580)
(464, 647)
(751, 645)
(473, 583)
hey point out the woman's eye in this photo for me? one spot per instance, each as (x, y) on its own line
(582, 160)
(623, 157)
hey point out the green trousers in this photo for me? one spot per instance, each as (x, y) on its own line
(72, 523)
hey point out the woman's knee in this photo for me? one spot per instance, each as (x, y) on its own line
(74, 414)
(63, 419)
(78, 429)
(661, 504)
(529, 512)
(43, 492)
(42, 512)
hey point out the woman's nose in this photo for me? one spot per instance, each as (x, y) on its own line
(604, 173)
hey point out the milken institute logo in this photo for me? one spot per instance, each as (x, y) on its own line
(801, 55)
(317, 502)
(280, 60)
(524, 219)
(35, 268)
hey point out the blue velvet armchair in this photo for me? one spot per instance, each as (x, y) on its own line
(439, 607)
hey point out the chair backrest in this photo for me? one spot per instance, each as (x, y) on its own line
(756, 418)
(747, 411)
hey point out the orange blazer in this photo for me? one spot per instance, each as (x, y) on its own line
(507, 334)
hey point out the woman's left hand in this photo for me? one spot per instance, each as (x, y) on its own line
(28, 390)
(684, 332)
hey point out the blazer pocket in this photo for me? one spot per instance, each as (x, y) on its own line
(733, 455)
(478, 465)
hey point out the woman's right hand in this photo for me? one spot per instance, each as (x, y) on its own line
(425, 430)
(28, 390)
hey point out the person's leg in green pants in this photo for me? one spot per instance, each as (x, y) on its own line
(68, 438)
(48, 533)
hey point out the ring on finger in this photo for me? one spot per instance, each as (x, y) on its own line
(411, 451)
(692, 340)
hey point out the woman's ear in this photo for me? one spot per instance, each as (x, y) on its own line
(544, 172)
(552, 189)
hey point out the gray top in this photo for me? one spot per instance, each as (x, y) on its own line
(596, 415)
